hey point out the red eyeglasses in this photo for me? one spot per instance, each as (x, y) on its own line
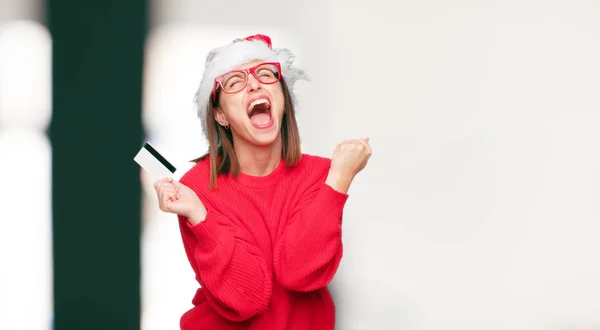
(236, 80)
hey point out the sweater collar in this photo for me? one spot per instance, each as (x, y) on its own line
(263, 181)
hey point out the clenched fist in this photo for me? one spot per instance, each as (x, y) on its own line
(349, 158)
(175, 197)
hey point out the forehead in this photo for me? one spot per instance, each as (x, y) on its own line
(249, 65)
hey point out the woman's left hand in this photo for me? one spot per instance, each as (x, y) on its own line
(349, 158)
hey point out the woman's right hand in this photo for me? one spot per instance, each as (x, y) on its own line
(175, 197)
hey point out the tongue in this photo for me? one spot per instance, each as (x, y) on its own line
(260, 119)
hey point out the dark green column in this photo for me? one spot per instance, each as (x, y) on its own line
(95, 132)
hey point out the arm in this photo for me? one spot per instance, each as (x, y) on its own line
(309, 251)
(233, 272)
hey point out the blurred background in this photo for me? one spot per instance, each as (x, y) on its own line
(480, 208)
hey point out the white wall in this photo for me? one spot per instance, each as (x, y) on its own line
(479, 208)
(21, 9)
(25, 176)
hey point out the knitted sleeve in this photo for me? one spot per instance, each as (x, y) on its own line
(309, 250)
(232, 271)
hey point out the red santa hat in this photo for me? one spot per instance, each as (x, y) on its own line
(242, 51)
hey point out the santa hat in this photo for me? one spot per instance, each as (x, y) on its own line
(242, 51)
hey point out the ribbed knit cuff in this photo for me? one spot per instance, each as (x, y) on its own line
(210, 233)
(330, 201)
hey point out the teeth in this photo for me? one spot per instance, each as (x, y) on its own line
(257, 102)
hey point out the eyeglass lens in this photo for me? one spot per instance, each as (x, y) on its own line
(235, 81)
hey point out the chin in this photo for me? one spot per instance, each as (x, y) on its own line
(265, 139)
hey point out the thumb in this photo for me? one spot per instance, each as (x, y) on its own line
(366, 139)
(178, 184)
(182, 187)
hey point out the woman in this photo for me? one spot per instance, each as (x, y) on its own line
(260, 222)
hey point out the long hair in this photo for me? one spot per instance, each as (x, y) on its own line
(220, 140)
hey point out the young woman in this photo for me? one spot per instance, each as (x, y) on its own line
(260, 221)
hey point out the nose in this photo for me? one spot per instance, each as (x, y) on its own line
(253, 84)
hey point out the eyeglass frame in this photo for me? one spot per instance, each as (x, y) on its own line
(246, 72)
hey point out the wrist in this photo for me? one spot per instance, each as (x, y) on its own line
(338, 181)
(197, 216)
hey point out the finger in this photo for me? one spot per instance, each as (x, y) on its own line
(171, 192)
(168, 206)
(349, 141)
(160, 182)
(167, 185)
(175, 191)
(162, 190)
(163, 180)
(348, 144)
(357, 144)
(177, 184)
(365, 143)
(169, 188)
(167, 197)
(358, 141)
(161, 199)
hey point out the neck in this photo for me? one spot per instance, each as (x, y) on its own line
(256, 160)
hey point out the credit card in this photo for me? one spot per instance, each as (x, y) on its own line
(154, 163)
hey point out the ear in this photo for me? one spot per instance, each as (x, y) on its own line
(220, 117)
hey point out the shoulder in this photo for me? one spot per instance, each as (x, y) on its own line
(314, 160)
(198, 176)
(313, 167)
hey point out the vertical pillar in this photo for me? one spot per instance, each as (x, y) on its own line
(95, 131)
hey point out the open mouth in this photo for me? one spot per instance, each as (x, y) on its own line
(259, 112)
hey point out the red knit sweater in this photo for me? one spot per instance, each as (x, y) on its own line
(266, 250)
